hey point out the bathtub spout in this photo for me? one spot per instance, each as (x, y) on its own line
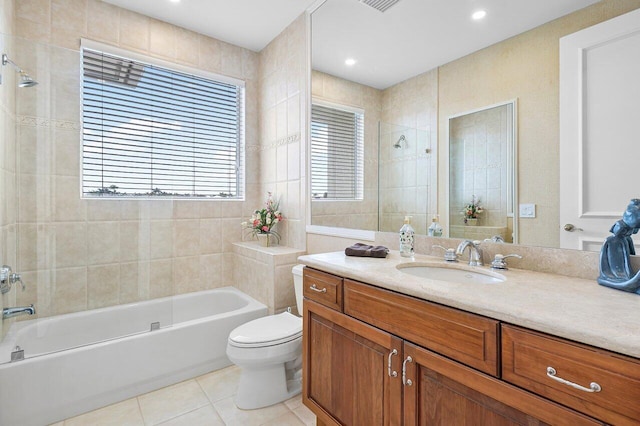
(18, 310)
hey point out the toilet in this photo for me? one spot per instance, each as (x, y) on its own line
(268, 351)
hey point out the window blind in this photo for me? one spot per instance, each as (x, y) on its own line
(337, 151)
(153, 131)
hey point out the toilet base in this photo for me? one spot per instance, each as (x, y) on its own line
(266, 385)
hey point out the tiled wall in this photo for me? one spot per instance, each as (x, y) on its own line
(352, 214)
(81, 254)
(478, 166)
(265, 273)
(409, 173)
(282, 116)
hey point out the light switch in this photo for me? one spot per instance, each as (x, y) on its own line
(527, 210)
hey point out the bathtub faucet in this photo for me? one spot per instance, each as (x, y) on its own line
(18, 310)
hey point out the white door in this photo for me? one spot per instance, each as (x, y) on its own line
(599, 129)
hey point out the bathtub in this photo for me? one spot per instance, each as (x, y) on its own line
(78, 362)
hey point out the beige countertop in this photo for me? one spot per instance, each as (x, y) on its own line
(573, 308)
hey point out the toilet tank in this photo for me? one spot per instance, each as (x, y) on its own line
(297, 286)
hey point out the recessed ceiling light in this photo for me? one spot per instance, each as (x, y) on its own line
(479, 15)
(350, 62)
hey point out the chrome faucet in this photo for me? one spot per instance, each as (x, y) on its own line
(475, 253)
(18, 310)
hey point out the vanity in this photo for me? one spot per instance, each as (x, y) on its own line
(383, 346)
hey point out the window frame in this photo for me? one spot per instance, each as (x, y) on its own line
(179, 68)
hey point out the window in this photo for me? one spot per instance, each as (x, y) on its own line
(153, 131)
(337, 151)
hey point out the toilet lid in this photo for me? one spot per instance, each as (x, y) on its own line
(267, 331)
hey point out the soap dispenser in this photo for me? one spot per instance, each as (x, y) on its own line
(407, 237)
(435, 230)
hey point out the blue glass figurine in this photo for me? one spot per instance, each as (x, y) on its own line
(615, 270)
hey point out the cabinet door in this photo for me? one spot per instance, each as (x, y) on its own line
(346, 378)
(444, 392)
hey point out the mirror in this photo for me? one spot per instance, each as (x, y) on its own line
(523, 66)
(482, 174)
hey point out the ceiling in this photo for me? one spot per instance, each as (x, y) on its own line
(409, 38)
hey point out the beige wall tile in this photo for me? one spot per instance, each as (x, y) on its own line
(187, 46)
(186, 237)
(162, 39)
(70, 244)
(161, 278)
(67, 203)
(186, 274)
(103, 284)
(103, 240)
(34, 10)
(134, 30)
(161, 239)
(103, 21)
(69, 290)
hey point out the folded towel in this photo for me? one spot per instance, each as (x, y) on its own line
(364, 250)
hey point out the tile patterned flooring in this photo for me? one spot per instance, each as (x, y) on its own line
(204, 401)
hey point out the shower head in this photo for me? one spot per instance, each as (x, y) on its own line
(398, 144)
(25, 79)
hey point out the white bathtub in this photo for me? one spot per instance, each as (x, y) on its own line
(78, 362)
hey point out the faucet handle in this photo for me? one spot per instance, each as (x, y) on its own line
(449, 253)
(499, 261)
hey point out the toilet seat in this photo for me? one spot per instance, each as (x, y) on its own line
(267, 331)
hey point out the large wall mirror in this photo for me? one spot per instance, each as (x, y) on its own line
(418, 64)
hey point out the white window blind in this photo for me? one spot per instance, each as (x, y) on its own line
(154, 131)
(337, 151)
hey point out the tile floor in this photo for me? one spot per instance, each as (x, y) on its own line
(205, 400)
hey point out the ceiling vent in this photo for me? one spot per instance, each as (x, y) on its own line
(381, 5)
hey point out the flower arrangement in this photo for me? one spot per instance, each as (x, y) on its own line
(263, 220)
(472, 210)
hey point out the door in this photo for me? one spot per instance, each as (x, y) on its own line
(442, 392)
(350, 370)
(599, 143)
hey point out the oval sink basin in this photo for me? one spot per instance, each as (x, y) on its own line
(450, 274)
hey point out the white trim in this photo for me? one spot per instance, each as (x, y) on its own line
(329, 104)
(127, 54)
(357, 234)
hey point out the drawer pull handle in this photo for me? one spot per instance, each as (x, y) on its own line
(389, 372)
(593, 386)
(405, 381)
(314, 288)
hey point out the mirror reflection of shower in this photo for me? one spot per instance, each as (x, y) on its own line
(398, 144)
(25, 79)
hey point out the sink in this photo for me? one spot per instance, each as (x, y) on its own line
(453, 275)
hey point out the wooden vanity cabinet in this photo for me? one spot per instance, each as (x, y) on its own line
(346, 376)
(365, 370)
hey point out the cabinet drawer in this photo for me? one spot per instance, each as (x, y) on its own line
(323, 288)
(464, 337)
(527, 355)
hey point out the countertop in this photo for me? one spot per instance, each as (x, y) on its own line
(572, 308)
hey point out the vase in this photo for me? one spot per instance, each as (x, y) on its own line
(266, 239)
(472, 222)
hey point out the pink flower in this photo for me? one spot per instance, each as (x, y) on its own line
(265, 229)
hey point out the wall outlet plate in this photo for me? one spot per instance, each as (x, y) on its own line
(527, 210)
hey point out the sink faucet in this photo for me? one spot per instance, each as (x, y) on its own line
(18, 310)
(475, 253)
